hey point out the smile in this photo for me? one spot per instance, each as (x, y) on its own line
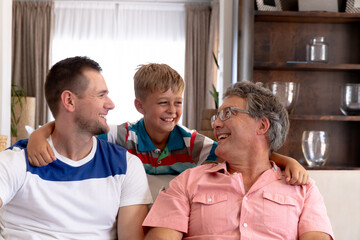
(223, 136)
(168, 119)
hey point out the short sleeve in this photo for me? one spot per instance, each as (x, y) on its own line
(203, 149)
(12, 173)
(314, 216)
(171, 208)
(111, 135)
(135, 188)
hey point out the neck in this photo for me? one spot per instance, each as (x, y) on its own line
(70, 145)
(159, 139)
(251, 168)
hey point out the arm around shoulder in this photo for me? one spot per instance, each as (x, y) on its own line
(163, 234)
(38, 149)
(315, 235)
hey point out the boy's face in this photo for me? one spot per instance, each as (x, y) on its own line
(162, 111)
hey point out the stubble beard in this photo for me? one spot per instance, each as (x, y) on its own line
(93, 127)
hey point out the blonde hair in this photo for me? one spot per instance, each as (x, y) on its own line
(156, 77)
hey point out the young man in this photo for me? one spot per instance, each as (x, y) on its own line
(95, 189)
(245, 197)
(163, 146)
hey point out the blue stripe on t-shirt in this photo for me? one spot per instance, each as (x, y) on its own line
(109, 160)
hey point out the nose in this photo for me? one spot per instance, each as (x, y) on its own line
(217, 123)
(172, 108)
(109, 104)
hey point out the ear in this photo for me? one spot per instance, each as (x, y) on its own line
(263, 126)
(139, 106)
(67, 100)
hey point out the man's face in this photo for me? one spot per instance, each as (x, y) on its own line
(93, 105)
(162, 111)
(237, 132)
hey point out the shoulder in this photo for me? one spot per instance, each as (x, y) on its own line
(108, 146)
(111, 153)
(186, 132)
(198, 171)
(14, 152)
(20, 144)
(13, 160)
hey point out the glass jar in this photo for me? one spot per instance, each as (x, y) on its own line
(317, 50)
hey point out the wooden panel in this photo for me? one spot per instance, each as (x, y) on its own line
(282, 41)
(280, 37)
(319, 91)
(344, 144)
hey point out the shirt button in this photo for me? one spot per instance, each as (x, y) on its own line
(245, 225)
(159, 162)
(209, 199)
(245, 198)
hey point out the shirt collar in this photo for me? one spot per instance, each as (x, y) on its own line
(222, 168)
(175, 140)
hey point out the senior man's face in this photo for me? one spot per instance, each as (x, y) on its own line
(236, 133)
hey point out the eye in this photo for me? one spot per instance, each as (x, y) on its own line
(178, 103)
(163, 103)
(227, 113)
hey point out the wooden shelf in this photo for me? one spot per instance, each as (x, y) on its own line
(325, 118)
(303, 66)
(280, 40)
(306, 17)
(331, 168)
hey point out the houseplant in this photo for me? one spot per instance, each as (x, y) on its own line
(22, 112)
(18, 94)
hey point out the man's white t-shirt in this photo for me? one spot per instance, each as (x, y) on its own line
(69, 199)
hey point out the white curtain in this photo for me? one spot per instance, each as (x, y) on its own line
(120, 36)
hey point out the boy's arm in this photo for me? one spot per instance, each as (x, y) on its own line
(294, 172)
(38, 149)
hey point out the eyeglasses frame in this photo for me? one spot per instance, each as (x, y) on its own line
(221, 116)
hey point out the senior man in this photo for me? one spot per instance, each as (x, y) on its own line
(245, 197)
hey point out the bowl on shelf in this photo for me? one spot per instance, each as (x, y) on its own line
(350, 99)
(287, 93)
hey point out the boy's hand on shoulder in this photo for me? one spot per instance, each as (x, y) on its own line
(296, 174)
(40, 155)
(39, 150)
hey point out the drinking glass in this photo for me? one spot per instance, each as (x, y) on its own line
(287, 93)
(315, 147)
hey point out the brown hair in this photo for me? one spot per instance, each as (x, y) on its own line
(67, 75)
(156, 77)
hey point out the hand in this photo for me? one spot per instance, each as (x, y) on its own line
(296, 174)
(40, 154)
(38, 149)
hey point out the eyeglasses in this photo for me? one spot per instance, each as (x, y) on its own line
(225, 114)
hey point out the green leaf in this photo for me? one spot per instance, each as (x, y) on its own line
(17, 93)
(215, 95)
(216, 61)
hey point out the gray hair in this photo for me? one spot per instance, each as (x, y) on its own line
(261, 103)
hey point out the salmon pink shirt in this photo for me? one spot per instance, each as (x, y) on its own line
(207, 203)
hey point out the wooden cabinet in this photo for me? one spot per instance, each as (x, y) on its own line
(280, 37)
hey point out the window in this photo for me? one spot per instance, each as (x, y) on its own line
(120, 36)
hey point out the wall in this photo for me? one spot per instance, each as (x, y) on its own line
(5, 66)
(226, 39)
(341, 192)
